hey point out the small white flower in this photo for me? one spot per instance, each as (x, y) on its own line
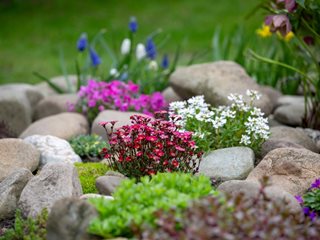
(114, 72)
(254, 95)
(140, 51)
(125, 46)
(153, 65)
(245, 139)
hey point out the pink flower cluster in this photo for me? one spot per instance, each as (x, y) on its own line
(149, 146)
(97, 96)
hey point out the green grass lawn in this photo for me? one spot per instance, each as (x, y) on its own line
(34, 33)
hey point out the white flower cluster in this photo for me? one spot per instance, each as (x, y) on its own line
(255, 126)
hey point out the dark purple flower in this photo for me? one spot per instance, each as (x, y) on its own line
(308, 40)
(279, 23)
(165, 62)
(151, 49)
(316, 184)
(133, 25)
(95, 59)
(290, 5)
(82, 42)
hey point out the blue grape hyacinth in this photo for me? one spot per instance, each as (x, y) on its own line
(133, 25)
(151, 49)
(82, 42)
(165, 62)
(95, 59)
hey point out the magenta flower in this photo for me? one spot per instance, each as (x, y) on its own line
(315, 184)
(279, 23)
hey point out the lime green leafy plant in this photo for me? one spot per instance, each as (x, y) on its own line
(134, 203)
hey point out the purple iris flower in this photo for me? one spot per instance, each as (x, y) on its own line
(95, 59)
(151, 49)
(82, 42)
(133, 25)
(279, 23)
(165, 62)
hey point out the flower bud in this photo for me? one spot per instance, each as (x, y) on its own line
(125, 46)
(140, 51)
(82, 42)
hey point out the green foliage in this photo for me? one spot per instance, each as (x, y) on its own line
(235, 47)
(209, 218)
(88, 147)
(312, 199)
(88, 173)
(28, 229)
(134, 203)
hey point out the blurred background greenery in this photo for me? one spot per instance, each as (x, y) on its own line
(35, 35)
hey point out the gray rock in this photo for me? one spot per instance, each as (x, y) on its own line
(10, 190)
(291, 169)
(273, 122)
(314, 135)
(122, 118)
(251, 190)
(54, 104)
(69, 220)
(62, 82)
(16, 108)
(106, 185)
(228, 163)
(53, 149)
(63, 125)
(290, 114)
(170, 95)
(216, 81)
(293, 135)
(272, 93)
(270, 145)
(54, 182)
(290, 100)
(15, 154)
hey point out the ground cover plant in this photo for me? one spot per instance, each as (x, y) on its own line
(149, 146)
(88, 147)
(117, 218)
(240, 124)
(310, 201)
(27, 229)
(88, 173)
(234, 218)
(97, 96)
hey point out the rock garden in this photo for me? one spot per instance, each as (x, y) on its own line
(150, 149)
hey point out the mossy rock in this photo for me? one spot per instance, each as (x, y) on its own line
(88, 173)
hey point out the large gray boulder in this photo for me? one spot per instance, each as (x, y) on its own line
(63, 125)
(292, 135)
(16, 108)
(66, 83)
(53, 149)
(291, 169)
(10, 190)
(54, 182)
(228, 163)
(122, 118)
(54, 104)
(16, 154)
(252, 189)
(69, 220)
(216, 81)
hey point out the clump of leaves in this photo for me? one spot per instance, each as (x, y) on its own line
(134, 203)
(310, 201)
(28, 229)
(88, 147)
(88, 173)
(236, 218)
